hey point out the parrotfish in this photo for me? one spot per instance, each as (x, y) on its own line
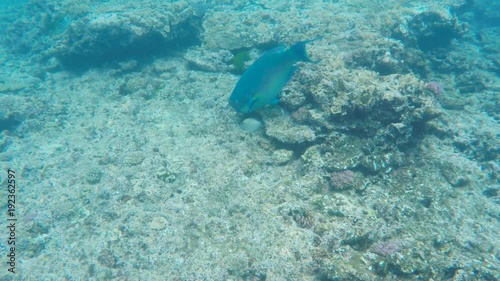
(262, 82)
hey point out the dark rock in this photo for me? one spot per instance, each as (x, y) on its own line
(428, 31)
(100, 38)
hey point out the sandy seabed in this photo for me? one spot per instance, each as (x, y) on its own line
(138, 169)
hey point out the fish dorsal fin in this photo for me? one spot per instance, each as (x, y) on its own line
(277, 50)
(298, 50)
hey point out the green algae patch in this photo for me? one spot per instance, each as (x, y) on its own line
(239, 60)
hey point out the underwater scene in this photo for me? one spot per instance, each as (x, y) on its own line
(276, 140)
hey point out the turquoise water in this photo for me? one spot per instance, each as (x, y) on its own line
(126, 161)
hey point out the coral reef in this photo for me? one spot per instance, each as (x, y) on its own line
(429, 30)
(374, 122)
(388, 248)
(133, 158)
(108, 36)
(93, 175)
(282, 129)
(206, 60)
(365, 169)
(345, 179)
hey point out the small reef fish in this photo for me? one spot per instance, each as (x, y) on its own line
(261, 83)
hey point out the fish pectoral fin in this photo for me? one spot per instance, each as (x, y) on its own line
(275, 101)
(252, 103)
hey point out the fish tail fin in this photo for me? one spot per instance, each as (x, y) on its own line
(299, 51)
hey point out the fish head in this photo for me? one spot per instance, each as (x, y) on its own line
(241, 103)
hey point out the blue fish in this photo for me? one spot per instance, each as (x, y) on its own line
(261, 83)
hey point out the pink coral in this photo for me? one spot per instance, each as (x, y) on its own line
(436, 88)
(343, 179)
(388, 248)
